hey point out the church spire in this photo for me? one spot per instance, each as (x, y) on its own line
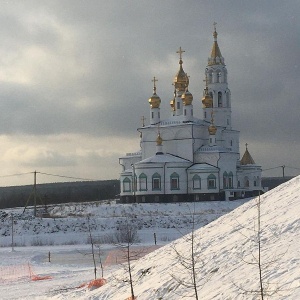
(247, 158)
(215, 55)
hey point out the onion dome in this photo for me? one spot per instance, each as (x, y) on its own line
(187, 97)
(154, 100)
(247, 158)
(215, 55)
(212, 129)
(181, 80)
(207, 100)
(158, 140)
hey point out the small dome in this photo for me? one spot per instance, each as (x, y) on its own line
(207, 100)
(212, 129)
(187, 98)
(158, 140)
(154, 101)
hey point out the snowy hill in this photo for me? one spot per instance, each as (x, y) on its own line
(227, 251)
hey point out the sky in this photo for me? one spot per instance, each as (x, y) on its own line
(75, 79)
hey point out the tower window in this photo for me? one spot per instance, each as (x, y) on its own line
(205, 115)
(219, 99)
(178, 105)
(158, 114)
(152, 115)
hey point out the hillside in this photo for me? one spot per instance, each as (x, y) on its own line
(226, 247)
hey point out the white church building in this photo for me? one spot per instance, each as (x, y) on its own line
(187, 158)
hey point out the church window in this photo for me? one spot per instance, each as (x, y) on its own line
(178, 105)
(246, 182)
(143, 182)
(156, 182)
(225, 180)
(126, 185)
(174, 179)
(219, 99)
(158, 114)
(185, 112)
(196, 182)
(231, 143)
(219, 77)
(230, 180)
(211, 181)
(239, 184)
(205, 115)
(152, 115)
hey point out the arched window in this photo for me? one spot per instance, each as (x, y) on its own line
(126, 185)
(156, 182)
(174, 179)
(225, 180)
(246, 182)
(220, 99)
(211, 181)
(196, 182)
(230, 180)
(143, 182)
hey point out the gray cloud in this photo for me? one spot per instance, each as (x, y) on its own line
(85, 67)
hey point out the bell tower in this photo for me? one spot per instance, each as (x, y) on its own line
(217, 87)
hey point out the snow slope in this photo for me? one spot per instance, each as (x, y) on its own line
(225, 248)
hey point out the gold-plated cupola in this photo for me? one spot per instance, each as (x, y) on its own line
(181, 80)
(154, 100)
(207, 100)
(187, 97)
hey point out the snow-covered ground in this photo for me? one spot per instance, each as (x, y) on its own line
(226, 251)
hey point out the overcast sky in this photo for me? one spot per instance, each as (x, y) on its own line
(75, 78)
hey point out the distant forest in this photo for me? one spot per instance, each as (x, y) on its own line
(52, 193)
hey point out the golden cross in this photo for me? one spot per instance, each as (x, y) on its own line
(180, 51)
(143, 120)
(154, 85)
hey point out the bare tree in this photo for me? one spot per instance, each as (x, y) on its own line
(190, 261)
(124, 238)
(263, 263)
(92, 244)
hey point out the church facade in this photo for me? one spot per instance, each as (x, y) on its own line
(190, 158)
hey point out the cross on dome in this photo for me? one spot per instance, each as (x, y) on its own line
(154, 85)
(180, 51)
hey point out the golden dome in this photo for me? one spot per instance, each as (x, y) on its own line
(207, 100)
(187, 98)
(247, 158)
(158, 140)
(154, 100)
(181, 80)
